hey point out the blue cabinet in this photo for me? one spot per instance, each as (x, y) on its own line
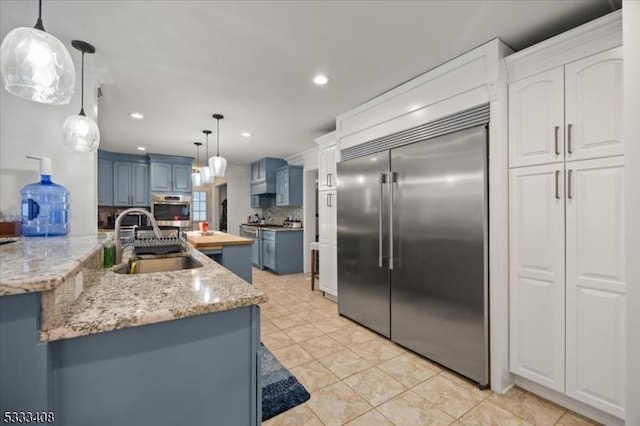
(130, 184)
(105, 181)
(170, 173)
(261, 201)
(282, 251)
(123, 179)
(289, 186)
(263, 175)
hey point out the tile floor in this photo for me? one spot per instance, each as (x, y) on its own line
(356, 377)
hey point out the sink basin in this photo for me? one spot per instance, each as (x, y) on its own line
(161, 264)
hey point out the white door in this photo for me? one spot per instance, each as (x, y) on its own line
(596, 283)
(594, 106)
(536, 119)
(537, 290)
(327, 238)
(201, 207)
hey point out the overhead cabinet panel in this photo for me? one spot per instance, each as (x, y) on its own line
(536, 126)
(594, 106)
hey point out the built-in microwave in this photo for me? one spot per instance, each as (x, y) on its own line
(172, 210)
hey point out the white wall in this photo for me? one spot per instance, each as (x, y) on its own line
(31, 128)
(238, 197)
(631, 46)
(310, 183)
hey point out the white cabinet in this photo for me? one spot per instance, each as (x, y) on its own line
(328, 275)
(593, 106)
(329, 157)
(537, 288)
(536, 119)
(571, 112)
(596, 283)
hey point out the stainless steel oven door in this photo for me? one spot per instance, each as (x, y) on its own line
(172, 210)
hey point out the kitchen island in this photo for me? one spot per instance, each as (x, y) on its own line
(231, 251)
(96, 347)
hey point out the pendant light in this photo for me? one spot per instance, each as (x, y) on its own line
(217, 164)
(81, 132)
(36, 66)
(207, 177)
(196, 177)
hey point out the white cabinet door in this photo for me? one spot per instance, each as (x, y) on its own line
(327, 219)
(594, 106)
(596, 283)
(537, 291)
(536, 119)
(329, 156)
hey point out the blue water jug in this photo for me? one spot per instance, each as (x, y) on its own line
(45, 205)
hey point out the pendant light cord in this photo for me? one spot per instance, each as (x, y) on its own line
(39, 25)
(81, 87)
(207, 145)
(218, 138)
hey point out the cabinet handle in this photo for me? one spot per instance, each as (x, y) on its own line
(556, 130)
(393, 178)
(569, 147)
(557, 184)
(570, 185)
(330, 179)
(329, 200)
(383, 180)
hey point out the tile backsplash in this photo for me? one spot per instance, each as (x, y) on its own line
(276, 215)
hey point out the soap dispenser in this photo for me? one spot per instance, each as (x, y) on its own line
(45, 205)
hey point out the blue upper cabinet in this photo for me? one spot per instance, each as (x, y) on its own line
(105, 181)
(289, 186)
(170, 173)
(263, 175)
(123, 179)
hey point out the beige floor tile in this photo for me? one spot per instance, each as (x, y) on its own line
(276, 340)
(314, 375)
(528, 406)
(321, 346)
(291, 356)
(303, 332)
(300, 415)
(353, 336)
(318, 314)
(488, 414)
(301, 307)
(345, 363)
(410, 409)
(374, 386)
(469, 385)
(267, 327)
(274, 311)
(337, 404)
(574, 419)
(333, 324)
(408, 369)
(378, 352)
(448, 396)
(289, 321)
(371, 418)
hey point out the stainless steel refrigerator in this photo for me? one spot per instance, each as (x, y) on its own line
(413, 244)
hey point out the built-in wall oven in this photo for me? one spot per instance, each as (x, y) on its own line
(172, 210)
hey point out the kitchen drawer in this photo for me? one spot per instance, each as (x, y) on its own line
(269, 235)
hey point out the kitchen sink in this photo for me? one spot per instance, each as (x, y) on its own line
(160, 264)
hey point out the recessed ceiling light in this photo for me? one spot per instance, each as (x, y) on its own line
(142, 148)
(321, 79)
(136, 115)
(247, 134)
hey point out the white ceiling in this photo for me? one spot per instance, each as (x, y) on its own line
(178, 62)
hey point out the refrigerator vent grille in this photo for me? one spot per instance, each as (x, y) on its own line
(452, 123)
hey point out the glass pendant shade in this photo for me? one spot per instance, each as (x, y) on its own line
(81, 133)
(218, 165)
(207, 177)
(196, 178)
(36, 66)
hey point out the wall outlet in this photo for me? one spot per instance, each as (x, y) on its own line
(78, 285)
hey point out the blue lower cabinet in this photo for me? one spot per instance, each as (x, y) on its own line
(282, 251)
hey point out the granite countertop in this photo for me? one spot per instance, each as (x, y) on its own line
(41, 264)
(108, 300)
(115, 301)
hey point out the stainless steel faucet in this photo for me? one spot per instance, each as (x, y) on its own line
(117, 244)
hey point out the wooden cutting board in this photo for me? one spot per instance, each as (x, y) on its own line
(216, 241)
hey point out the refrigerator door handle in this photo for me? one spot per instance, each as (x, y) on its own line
(393, 178)
(382, 181)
